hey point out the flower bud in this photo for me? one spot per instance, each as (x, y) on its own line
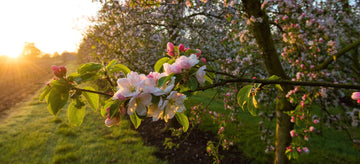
(312, 128)
(181, 48)
(170, 49)
(203, 60)
(199, 52)
(355, 96)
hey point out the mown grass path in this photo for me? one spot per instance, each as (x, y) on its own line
(30, 134)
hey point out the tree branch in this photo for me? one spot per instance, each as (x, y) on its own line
(338, 54)
(287, 82)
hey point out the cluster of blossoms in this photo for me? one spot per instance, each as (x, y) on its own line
(147, 97)
(59, 72)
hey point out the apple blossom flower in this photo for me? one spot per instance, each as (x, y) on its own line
(292, 133)
(306, 150)
(356, 96)
(173, 68)
(311, 128)
(200, 74)
(156, 111)
(183, 62)
(292, 119)
(139, 104)
(173, 104)
(316, 121)
(129, 86)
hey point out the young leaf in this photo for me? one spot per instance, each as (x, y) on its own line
(164, 79)
(122, 68)
(89, 67)
(252, 106)
(183, 120)
(56, 100)
(158, 65)
(243, 95)
(44, 93)
(92, 98)
(76, 112)
(135, 120)
(208, 79)
(111, 64)
(273, 77)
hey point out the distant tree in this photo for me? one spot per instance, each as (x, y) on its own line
(30, 51)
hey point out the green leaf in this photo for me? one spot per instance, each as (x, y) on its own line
(208, 79)
(114, 106)
(192, 83)
(75, 77)
(111, 64)
(122, 68)
(76, 112)
(190, 51)
(135, 120)
(273, 77)
(183, 120)
(158, 65)
(56, 100)
(243, 95)
(44, 93)
(89, 67)
(252, 106)
(92, 98)
(165, 79)
(171, 61)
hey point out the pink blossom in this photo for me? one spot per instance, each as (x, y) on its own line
(181, 48)
(306, 150)
(304, 97)
(203, 60)
(292, 119)
(355, 95)
(306, 138)
(311, 128)
(221, 130)
(292, 133)
(170, 49)
(316, 121)
(299, 149)
(171, 68)
(198, 52)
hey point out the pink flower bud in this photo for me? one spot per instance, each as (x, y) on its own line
(312, 128)
(292, 133)
(181, 48)
(299, 149)
(306, 150)
(62, 70)
(113, 121)
(199, 52)
(306, 138)
(316, 121)
(221, 130)
(56, 71)
(304, 97)
(203, 60)
(186, 49)
(292, 119)
(170, 49)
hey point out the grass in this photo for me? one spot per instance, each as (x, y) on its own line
(330, 146)
(30, 134)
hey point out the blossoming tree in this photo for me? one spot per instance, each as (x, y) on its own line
(299, 44)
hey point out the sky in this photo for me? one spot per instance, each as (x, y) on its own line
(53, 25)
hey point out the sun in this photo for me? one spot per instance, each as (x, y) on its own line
(11, 50)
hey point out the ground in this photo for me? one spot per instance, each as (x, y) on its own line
(20, 79)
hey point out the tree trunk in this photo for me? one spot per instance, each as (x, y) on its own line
(261, 31)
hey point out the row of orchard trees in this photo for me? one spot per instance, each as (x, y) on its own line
(297, 40)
